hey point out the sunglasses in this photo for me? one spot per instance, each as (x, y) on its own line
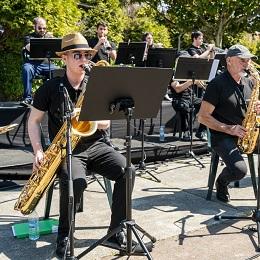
(78, 55)
(41, 28)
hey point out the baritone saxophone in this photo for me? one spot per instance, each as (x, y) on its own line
(43, 177)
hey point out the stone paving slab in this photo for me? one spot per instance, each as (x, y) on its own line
(175, 211)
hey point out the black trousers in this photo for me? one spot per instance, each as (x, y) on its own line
(100, 158)
(227, 149)
(184, 107)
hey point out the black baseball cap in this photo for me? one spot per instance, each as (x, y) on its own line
(240, 51)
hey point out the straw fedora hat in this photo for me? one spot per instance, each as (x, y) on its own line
(75, 41)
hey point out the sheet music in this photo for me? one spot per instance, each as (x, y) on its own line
(213, 71)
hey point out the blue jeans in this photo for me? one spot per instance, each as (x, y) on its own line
(30, 70)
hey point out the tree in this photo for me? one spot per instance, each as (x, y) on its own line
(108, 11)
(215, 18)
(16, 18)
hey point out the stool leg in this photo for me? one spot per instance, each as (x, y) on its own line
(81, 208)
(252, 172)
(212, 173)
(108, 191)
(48, 202)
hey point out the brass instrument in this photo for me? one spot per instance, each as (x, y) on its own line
(7, 128)
(247, 144)
(42, 178)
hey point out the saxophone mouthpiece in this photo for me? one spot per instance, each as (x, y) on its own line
(86, 67)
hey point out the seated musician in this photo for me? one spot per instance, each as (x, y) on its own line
(181, 102)
(222, 110)
(92, 154)
(34, 68)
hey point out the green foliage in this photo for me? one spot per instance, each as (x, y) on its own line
(10, 76)
(16, 17)
(144, 21)
(252, 42)
(214, 18)
(108, 11)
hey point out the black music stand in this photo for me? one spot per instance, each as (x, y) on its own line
(222, 60)
(131, 53)
(188, 68)
(123, 97)
(161, 57)
(42, 48)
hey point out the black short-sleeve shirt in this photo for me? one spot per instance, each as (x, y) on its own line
(222, 93)
(50, 98)
(102, 53)
(192, 50)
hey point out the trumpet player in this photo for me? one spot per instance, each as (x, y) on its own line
(197, 49)
(222, 110)
(106, 49)
(92, 154)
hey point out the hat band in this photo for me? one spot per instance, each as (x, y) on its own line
(75, 46)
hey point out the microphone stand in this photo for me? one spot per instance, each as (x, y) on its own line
(68, 111)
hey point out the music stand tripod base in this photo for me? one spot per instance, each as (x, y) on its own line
(142, 169)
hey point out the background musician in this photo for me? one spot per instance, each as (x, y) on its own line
(33, 68)
(92, 154)
(106, 49)
(223, 110)
(197, 49)
(181, 101)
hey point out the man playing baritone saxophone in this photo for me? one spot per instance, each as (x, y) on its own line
(222, 110)
(92, 154)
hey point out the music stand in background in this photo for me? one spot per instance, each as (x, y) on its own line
(124, 91)
(188, 68)
(222, 60)
(131, 53)
(161, 57)
(45, 48)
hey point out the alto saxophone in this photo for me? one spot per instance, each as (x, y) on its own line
(247, 144)
(43, 177)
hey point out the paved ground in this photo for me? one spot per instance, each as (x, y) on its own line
(175, 211)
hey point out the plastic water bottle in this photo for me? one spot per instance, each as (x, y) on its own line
(162, 137)
(33, 224)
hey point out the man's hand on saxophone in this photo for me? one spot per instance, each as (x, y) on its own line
(34, 120)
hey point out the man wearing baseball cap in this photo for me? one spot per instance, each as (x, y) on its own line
(223, 109)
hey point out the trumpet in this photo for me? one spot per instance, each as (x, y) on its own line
(215, 49)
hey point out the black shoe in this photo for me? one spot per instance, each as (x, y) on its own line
(61, 246)
(222, 192)
(120, 240)
(202, 136)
